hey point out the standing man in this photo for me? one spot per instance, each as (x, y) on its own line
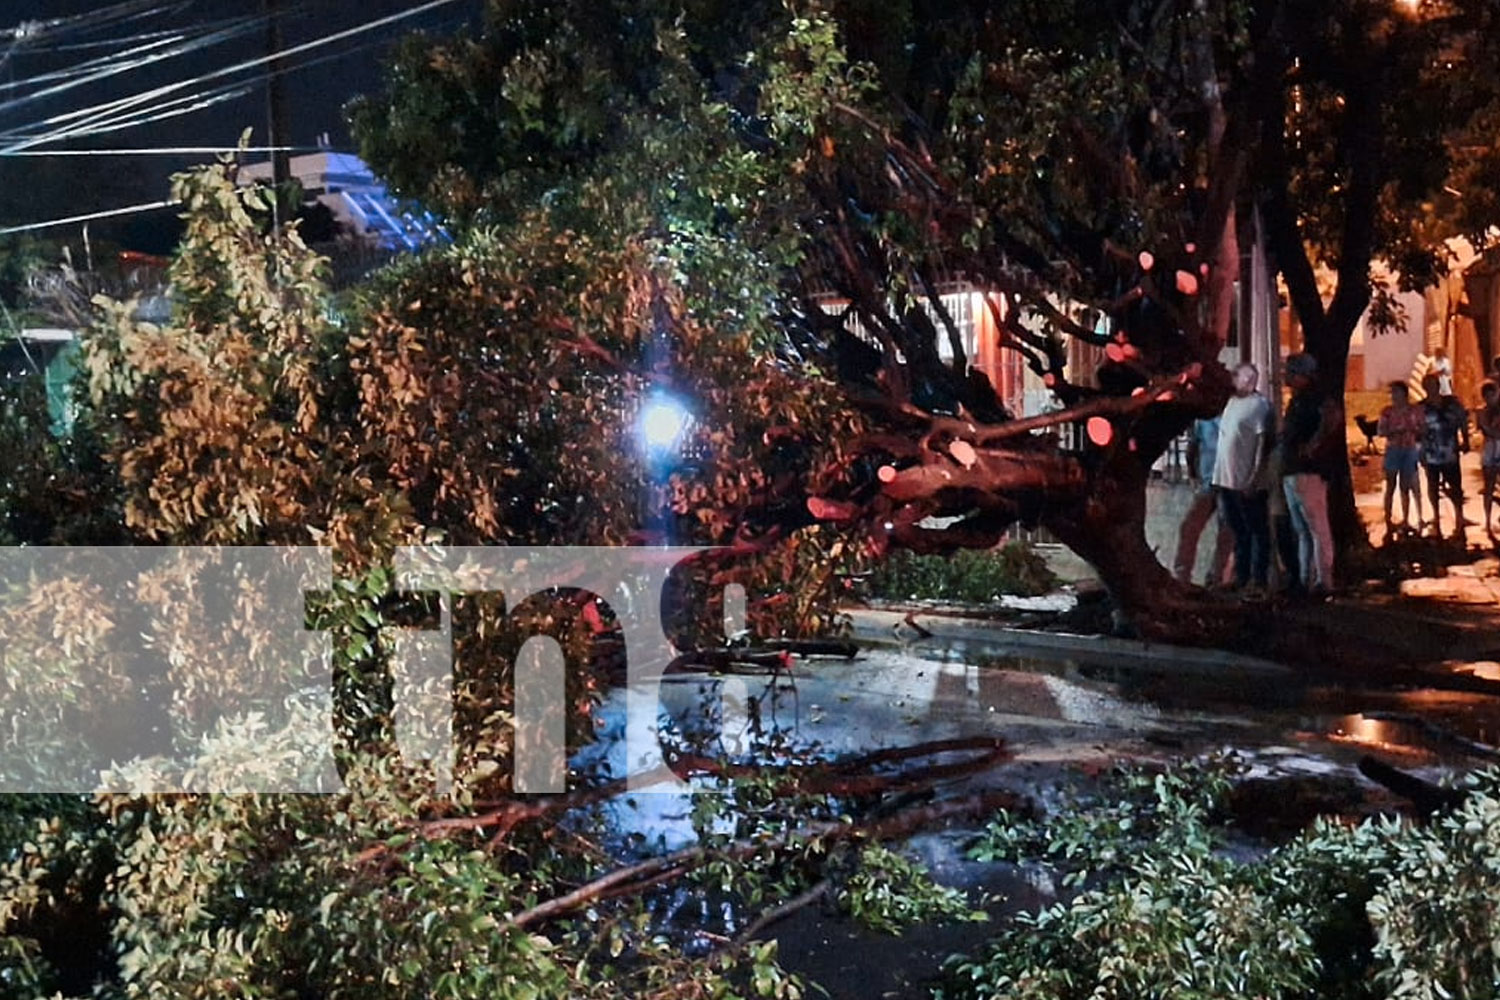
(1309, 461)
(1202, 453)
(1244, 437)
(1446, 429)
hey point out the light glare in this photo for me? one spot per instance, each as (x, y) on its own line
(661, 424)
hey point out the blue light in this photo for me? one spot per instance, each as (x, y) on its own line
(661, 425)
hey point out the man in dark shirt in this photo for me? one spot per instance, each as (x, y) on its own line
(1309, 453)
(1446, 429)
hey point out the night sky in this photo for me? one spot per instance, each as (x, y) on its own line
(40, 188)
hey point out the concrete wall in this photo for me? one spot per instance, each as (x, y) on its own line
(1388, 356)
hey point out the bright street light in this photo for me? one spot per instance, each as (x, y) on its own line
(661, 425)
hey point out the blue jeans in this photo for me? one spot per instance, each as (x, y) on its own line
(1307, 502)
(1248, 517)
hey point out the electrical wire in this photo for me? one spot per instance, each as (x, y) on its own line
(142, 41)
(195, 101)
(169, 151)
(144, 55)
(143, 36)
(82, 119)
(126, 17)
(90, 216)
(97, 17)
(88, 65)
(21, 141)
(174, 109)
(128, 113)
(28, 34)
(168, 109)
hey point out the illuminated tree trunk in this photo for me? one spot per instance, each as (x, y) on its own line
(1108, 530)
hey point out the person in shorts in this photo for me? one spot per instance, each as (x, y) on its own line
(1402, 424)
(1487, 419)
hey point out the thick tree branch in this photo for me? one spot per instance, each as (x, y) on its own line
(1282, 220)
(645, 874)
(1362, 139)
(1017, 337)
(1100, 406)
(990, 472)
(850, 777)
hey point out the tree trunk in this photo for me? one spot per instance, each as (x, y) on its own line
(1108, 530)
(1330, 346)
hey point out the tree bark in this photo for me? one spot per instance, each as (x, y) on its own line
(1108, 530)
(1328, 329)
(1328, 342)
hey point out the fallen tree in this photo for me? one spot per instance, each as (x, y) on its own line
(809, 188)
(819, 179)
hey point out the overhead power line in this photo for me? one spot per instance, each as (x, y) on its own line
(90, 216)
(167, 151)
(177, 107)
(29, 31)
(136, 58)
(73, 124)
(105, 43)
(180, 106)
(89, 65)
(174, 108)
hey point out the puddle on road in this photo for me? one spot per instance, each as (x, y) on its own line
(1060, 711)
(1300, 743)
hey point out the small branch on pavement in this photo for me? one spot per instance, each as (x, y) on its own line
(651, 872)
(846, 778)
(777, 913)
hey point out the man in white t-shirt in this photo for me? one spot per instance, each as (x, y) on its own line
(1244, 443)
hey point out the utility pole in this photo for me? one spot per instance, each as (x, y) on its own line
(276, 121)
(276, 130)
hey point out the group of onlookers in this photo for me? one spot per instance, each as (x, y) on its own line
(1273, 493)
(1266, 491)
(1431, 435)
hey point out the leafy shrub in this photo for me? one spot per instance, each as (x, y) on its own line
(889, 893)
(329, 896)
(1385, 908)
(966, 577)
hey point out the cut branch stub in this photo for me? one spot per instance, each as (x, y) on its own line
(825, 509)
(963, 452)
(1100, 431)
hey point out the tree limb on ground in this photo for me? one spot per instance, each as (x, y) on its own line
(645, 874)
(846, 778)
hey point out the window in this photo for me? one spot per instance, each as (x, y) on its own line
(960, 309)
